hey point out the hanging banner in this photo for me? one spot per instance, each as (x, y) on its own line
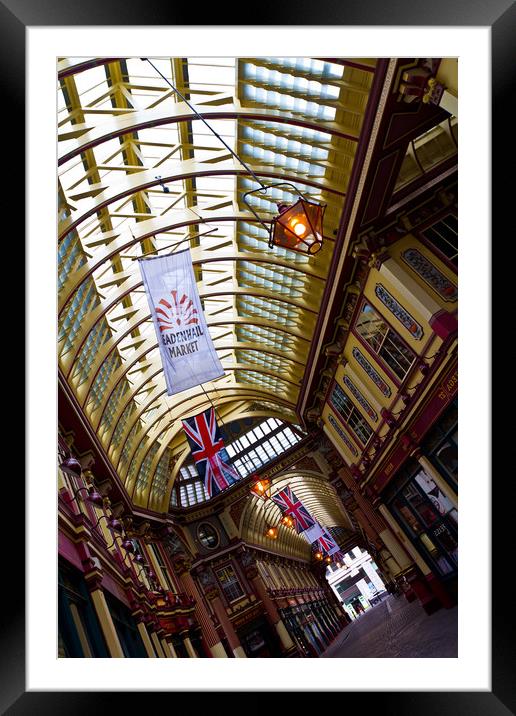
(209, 453)
(290, 505)
(187, 351)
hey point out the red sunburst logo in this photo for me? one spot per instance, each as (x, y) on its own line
(177, 313)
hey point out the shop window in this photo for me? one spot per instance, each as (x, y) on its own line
(125, 626)
(164, 569)
(79, 633)
(439, 500)
(350, 415)
(229, 583)
(441, 446)
(384, 342)
(429, 519)
(443, 236)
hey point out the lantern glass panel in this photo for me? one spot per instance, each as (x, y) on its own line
(299, 227)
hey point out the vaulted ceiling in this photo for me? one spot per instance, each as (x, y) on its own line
(138, 173)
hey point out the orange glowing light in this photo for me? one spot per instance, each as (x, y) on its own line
(297, 226)
(260, 487)
(287, 521)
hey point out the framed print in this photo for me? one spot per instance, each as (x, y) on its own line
(128, 565)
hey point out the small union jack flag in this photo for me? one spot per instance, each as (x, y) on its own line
(209, 453)
(290, 505)
(326, 544)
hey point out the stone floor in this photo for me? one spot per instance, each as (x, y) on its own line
(395, 628)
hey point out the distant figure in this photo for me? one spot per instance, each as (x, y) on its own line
(357, 606)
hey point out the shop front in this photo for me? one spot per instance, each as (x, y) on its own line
(423, 500)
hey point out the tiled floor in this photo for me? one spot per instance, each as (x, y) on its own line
(395, 628)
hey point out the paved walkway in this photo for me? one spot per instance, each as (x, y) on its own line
(395, 628)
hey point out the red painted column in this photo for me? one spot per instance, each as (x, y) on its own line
(182, 567)
(274, 616)
(213, 595)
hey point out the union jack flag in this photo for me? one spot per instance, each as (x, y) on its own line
(326, 544)
(209, 453)
(290, 505)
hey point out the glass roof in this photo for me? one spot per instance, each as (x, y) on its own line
(138, 172)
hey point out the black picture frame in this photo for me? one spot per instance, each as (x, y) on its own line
(499, 15)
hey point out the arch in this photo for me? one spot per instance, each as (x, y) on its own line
(187, 169)
(132, 122)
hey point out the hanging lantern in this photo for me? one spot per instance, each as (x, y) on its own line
(272, 533)
(71, 466)
(298, 227)
(318, 556)
(128, 545)
(260, 487)
(287, 521)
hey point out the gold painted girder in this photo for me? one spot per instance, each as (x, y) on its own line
(132, 316)
(102, 195)
(199, 257)
(92, 136)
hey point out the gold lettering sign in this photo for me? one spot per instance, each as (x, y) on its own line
(452, 381)
(449, 387)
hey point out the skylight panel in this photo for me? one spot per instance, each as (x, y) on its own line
(93, 80)
(216, 75)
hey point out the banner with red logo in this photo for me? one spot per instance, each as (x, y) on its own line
(187, 351)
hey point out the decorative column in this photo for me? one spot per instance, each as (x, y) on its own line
(213, 643)
(436, 477)
(406, 544)
(212, 593)
(93, 580)
(399, 559)
(146, 639)
(254, 577)
(185, 636)
(399, 556)
(106, 623)
(141, 616)
(169, 650)
(157, 644)
(434, 582)
(413, 574)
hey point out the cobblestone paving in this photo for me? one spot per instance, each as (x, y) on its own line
(394, 628)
